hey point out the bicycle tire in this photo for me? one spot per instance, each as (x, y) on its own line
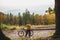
(32, 32)
(21, 33)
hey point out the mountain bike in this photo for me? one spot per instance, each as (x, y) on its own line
(22, 32)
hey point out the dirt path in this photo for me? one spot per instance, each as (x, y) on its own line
(14, 34)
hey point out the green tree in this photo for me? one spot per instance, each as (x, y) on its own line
(11, 19)
(45, 19)
(26, 16)
(15, 18)
(4, 19)
(7, 18)
(49, 10)
(20, 19)
(36, 17)
(32, 19)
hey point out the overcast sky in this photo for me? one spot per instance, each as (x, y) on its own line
(37, 6)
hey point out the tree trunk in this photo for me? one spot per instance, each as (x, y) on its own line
(57, 9)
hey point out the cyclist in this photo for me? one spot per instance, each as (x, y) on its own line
(28, 31)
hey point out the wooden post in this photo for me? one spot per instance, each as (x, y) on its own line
(57, 9)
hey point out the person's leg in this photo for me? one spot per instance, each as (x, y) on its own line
(26, 33)
(29, 33)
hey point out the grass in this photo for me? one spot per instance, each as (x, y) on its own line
(48, 38)
(51, 33)
(8, 27)
(39, 38)
(11, 27)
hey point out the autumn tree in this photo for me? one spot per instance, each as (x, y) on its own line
(41, 19)
(2, 36)
(36, 17)
(45, 19)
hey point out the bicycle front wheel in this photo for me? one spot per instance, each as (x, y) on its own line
(32, 32)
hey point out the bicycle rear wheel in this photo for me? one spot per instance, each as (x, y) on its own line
(21, 33)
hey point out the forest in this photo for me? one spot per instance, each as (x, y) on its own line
(34, 19)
